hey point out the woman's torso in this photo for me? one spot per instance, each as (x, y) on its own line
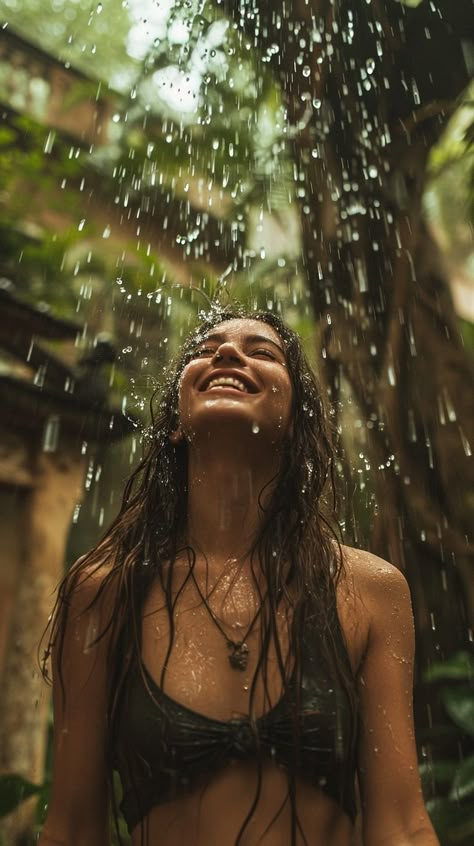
(201, 716)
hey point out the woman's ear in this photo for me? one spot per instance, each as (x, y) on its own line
(176, 436)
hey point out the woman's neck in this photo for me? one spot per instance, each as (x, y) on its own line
(226, 492)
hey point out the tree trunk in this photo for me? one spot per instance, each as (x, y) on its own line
(367, 97)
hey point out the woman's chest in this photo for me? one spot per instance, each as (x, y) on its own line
(204, 646)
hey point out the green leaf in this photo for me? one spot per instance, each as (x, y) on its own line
(7, 136)
(452, 821)
(438, 772)
(14, 789)
(459, 703)
(459, 666)
(463, 784)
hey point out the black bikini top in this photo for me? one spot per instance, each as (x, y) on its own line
(165, 749)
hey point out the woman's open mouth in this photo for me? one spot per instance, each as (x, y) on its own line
(227, 382)
(223, 381)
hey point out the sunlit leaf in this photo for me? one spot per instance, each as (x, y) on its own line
(437, 772)
(459, 703)
(463, 784)
(459, 666)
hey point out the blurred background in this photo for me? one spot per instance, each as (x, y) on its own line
(309, 157)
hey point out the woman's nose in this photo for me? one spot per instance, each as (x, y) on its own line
(228, 351)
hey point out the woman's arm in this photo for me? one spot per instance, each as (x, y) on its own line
(394, 813)
(78, 813)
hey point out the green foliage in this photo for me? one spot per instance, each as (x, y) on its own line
(459, 704)
(45, 263)
(467, 329)
(450, 195)
(452, 809)
(453, 822)
(76, 31)
(37, 266)
(460, 666)
(14, 789)
(24, 163)
(122, 835)
(231, 137)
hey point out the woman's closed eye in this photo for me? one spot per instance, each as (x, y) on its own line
(209, 352)
(203, 351)
(264, 352)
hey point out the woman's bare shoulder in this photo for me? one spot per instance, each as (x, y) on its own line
(366, 565)
(368, 591)
(375, 581)
(89, 581)
(84, 609)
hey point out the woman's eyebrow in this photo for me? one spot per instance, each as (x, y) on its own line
(217, 336)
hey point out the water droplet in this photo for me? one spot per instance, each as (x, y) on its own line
(39, 377)
(255, 428)
(416, 93)
(51, 433)
(49, 143)
(465, 443)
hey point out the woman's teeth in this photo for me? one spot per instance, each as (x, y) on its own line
(221, 381)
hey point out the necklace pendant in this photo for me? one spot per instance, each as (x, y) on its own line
(239, 656)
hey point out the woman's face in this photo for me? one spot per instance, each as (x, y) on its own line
(237, 381)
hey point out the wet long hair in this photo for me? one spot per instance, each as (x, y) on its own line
(296, 551)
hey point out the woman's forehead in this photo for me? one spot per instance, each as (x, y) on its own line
(241, 328)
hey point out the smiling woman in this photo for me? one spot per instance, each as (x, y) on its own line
(219, 648)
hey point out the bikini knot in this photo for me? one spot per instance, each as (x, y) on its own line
(244, 741)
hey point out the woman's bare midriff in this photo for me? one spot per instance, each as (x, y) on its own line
(212, 815)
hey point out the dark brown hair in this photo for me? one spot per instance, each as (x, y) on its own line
(296, 546)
